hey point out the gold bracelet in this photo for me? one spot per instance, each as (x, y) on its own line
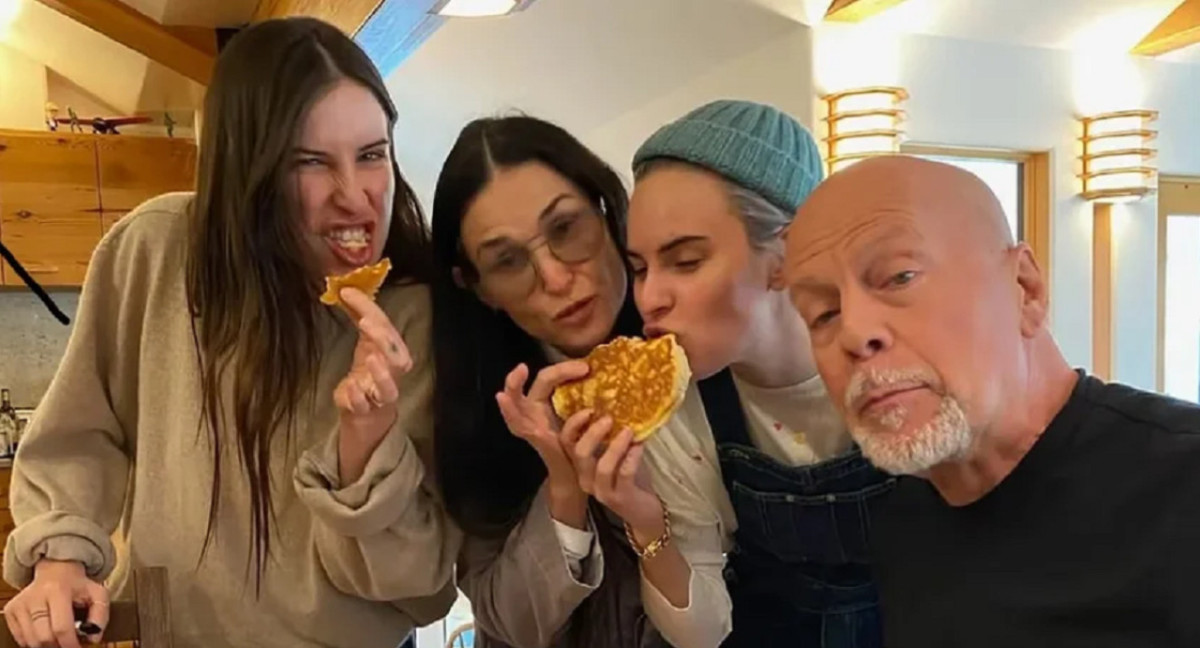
(658, 544)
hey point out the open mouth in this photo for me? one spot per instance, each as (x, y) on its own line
(351, 245)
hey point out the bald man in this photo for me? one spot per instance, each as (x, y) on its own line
(1038, 506)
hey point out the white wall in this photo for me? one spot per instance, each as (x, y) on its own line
(22, 91)
(610, 72)
(981, 94)
(116, 75)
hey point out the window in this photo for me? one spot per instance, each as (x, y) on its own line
(1181, 343)
(437, 634)
(1003, 176)
(1179, 308)
(1021, 182)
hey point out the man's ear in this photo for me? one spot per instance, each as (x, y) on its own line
(1035, 291)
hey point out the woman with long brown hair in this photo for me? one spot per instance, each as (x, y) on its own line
(203, 375)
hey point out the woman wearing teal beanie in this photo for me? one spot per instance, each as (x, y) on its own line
(768, 474)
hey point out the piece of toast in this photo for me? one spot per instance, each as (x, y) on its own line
(639, 383)
(367, 279)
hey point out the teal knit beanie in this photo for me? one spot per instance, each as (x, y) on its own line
(752, 144)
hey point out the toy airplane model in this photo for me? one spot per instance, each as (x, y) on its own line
(101, 125)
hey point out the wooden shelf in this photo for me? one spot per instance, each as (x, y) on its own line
(61, 192)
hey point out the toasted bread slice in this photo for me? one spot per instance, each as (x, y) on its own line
(367, 279)
(639, 383)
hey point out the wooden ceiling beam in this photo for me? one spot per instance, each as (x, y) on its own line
(1178, 30)
(853, 11)
(347, 15)
(190, 51)
(202, 38)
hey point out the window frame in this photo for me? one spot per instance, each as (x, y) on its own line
(1034, 189)
(1180, 195)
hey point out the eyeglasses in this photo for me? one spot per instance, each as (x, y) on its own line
(507, 267)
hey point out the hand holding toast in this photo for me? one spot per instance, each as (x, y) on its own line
(611, 469)
(531, 417)
(366, 398)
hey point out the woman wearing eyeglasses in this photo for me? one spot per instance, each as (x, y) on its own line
(527, 224)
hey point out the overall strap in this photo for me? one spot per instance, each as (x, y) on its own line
(723, 408)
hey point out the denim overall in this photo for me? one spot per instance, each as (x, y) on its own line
(798, 574)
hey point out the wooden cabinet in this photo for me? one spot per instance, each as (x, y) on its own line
(49, 206)
(61, 192)
(133, 170)
(110, 218)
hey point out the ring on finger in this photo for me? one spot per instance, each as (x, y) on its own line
(39, 614)
(372, 394)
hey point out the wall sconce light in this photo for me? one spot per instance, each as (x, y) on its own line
(1118, 154)
(863, 123)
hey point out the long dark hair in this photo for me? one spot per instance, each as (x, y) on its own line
(487, 475)
(252, 284)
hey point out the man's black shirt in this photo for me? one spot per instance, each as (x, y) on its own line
(1093, 541)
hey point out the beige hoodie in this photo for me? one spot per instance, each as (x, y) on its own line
(117, 441)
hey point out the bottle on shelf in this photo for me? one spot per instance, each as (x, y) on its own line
(8, 424)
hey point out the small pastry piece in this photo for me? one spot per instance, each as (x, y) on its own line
(367, 279)
(639, 383)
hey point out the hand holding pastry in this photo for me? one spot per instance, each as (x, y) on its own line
(531, 418)
(367, 396)
(611, 469)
